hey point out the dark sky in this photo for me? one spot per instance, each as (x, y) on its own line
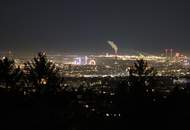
(86, 25)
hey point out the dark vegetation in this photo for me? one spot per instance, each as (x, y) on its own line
(37, 97)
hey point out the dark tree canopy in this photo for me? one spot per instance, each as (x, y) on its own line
(10, 74)
(43, 74)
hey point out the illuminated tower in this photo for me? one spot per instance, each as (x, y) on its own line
(166, 53)
(8, 54)
(86, 60)
(171, 53)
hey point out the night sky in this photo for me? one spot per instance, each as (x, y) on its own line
(86, 25)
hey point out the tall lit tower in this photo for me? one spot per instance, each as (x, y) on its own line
(86, 60)
(166, 53)
(171, 53)
(8, 54)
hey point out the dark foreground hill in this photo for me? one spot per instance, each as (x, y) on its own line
(59, 113)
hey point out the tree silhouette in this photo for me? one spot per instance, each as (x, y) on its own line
(141, 78)
(10, 75)
(42, 75)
